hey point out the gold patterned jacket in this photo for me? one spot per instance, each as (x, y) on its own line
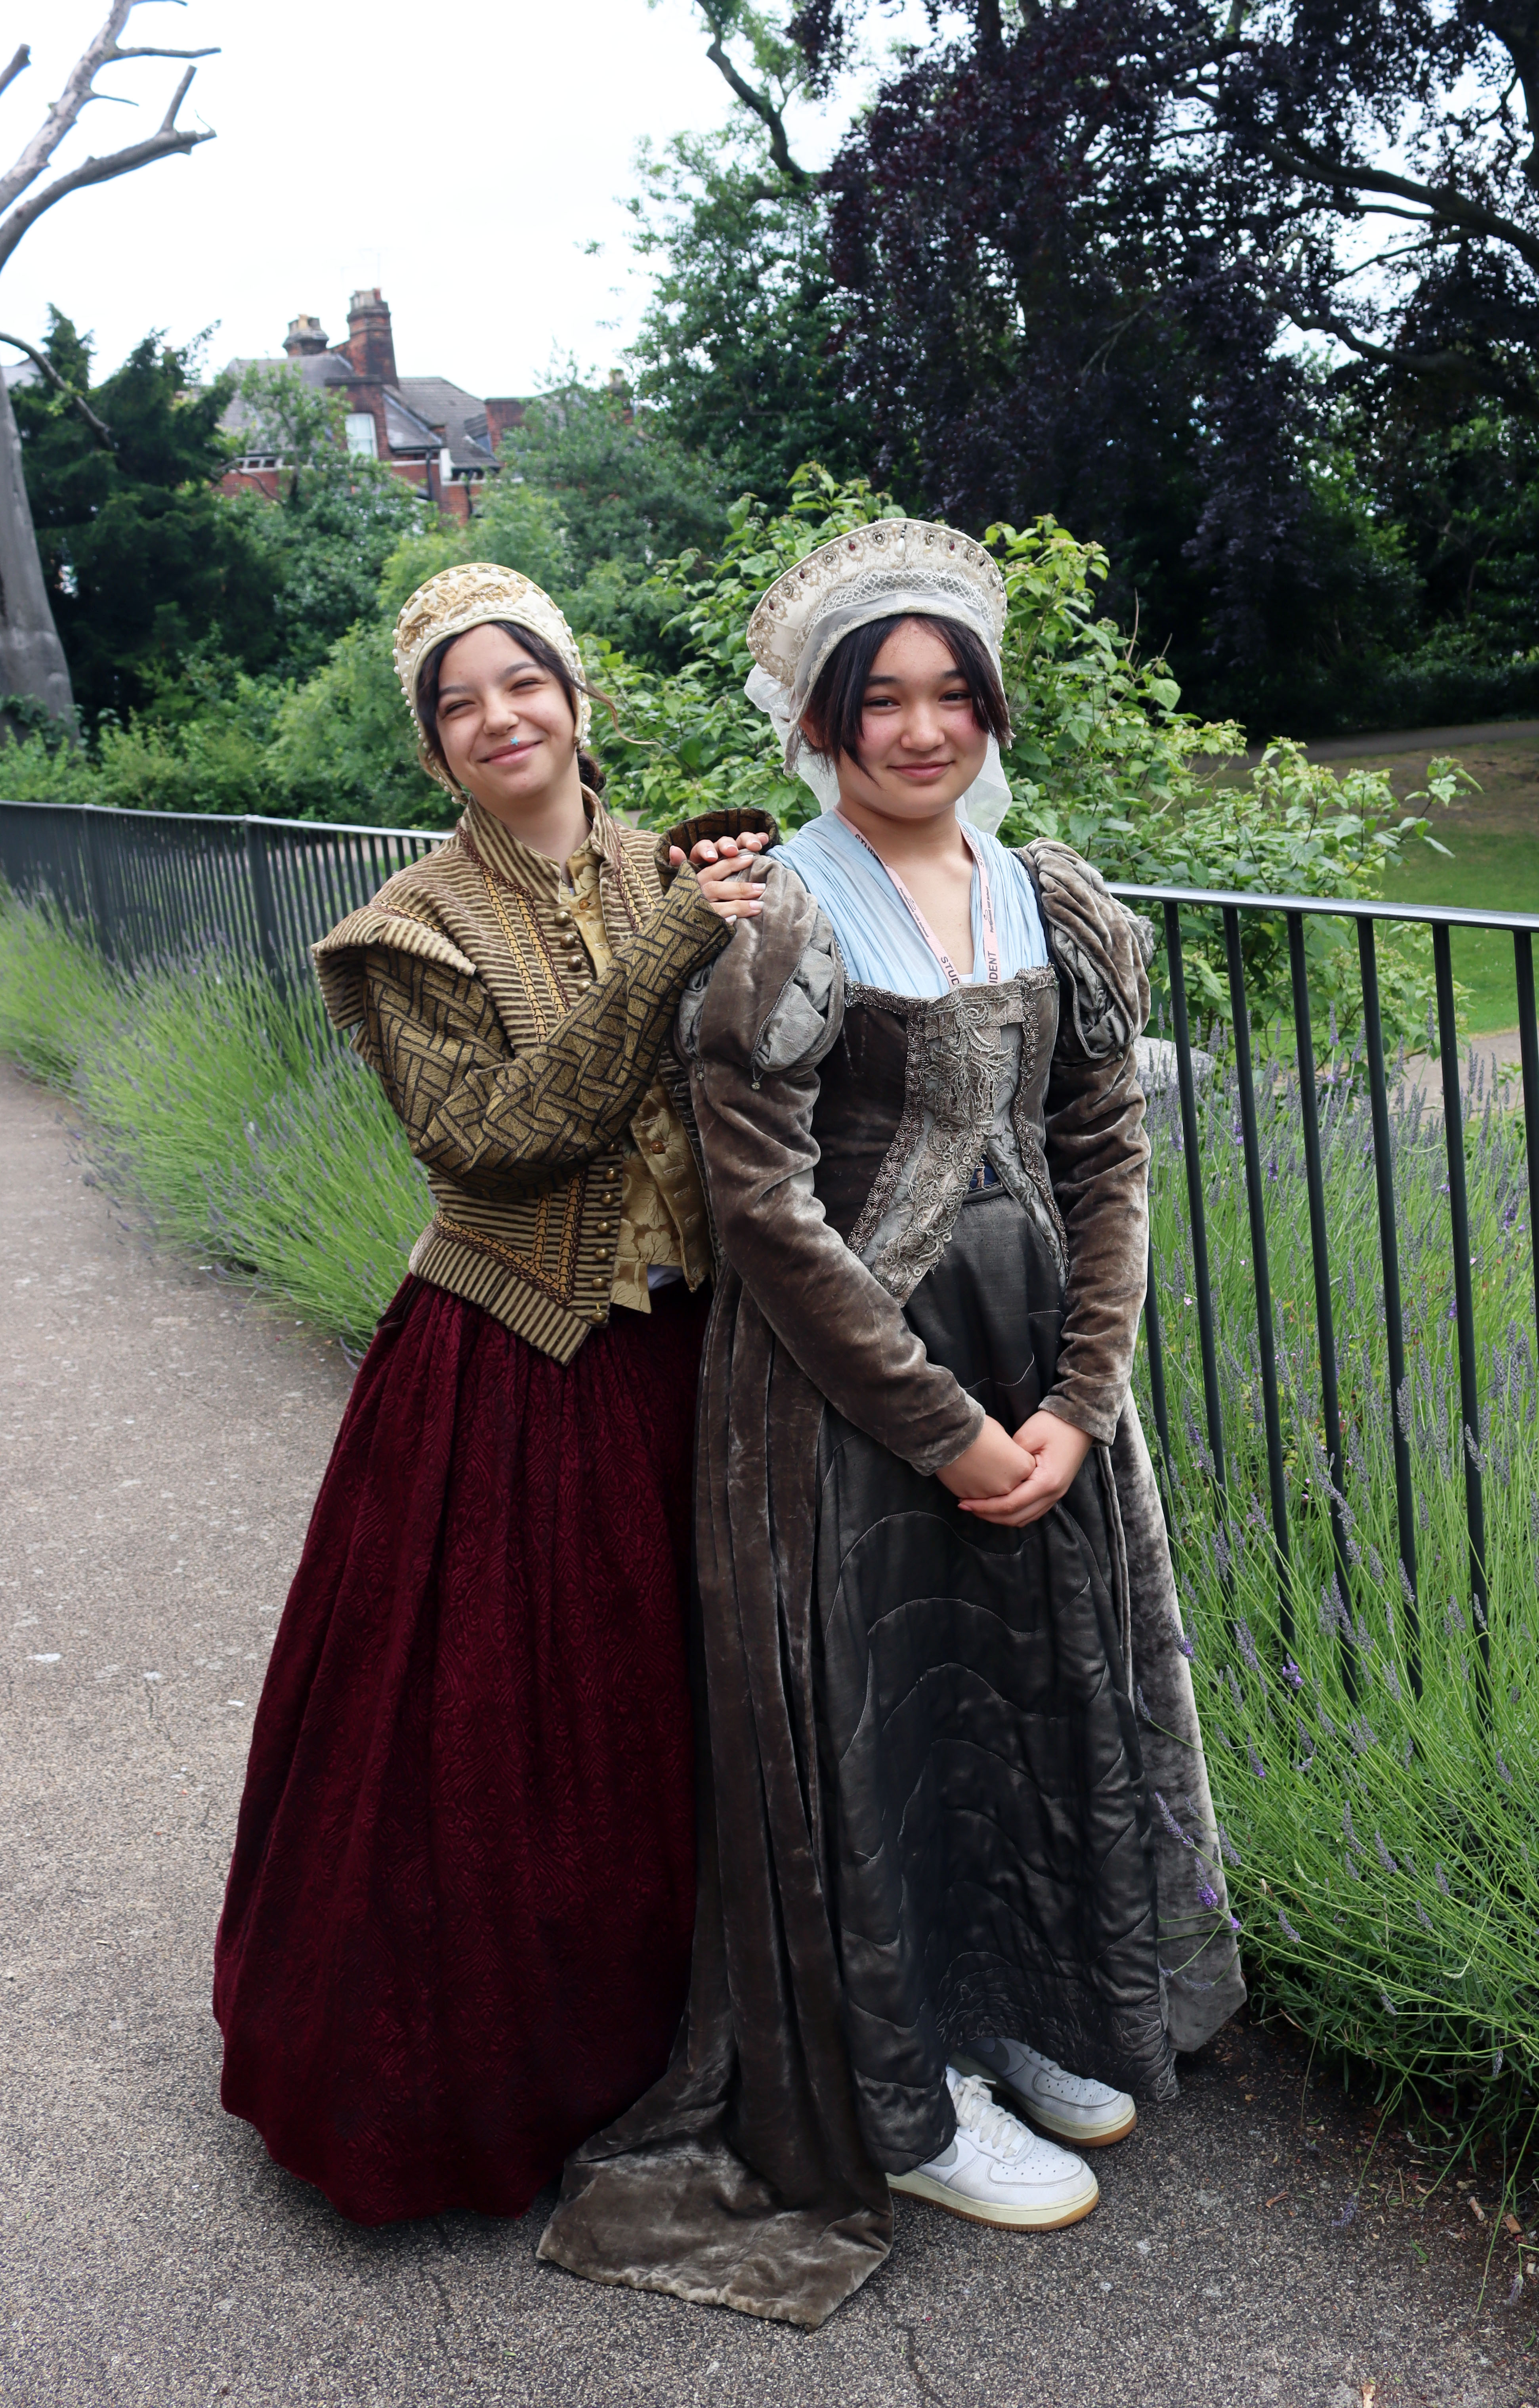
(520, 1020)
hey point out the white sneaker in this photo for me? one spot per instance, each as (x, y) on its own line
(996, 2171)
(1062, 2103)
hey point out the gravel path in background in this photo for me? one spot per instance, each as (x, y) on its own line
(164, 1440)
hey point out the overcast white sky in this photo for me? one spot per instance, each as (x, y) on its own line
(460, 158)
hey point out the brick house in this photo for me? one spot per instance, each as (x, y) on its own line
(430, 432)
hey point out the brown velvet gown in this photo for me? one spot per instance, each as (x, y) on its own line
(928, 1800)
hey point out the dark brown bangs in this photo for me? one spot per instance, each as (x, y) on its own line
(835, 709)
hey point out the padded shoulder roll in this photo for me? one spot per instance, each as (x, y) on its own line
(338, 957)
(1101, 949)
(774, 1000)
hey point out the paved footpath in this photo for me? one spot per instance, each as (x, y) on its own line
(164, 1440)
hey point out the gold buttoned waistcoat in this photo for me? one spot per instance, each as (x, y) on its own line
(521, 1020)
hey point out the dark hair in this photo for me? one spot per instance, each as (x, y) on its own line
(836, 707)
(544, 655)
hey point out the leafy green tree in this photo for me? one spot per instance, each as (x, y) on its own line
(628, 494)
(142, 557)
(337, 523)
(626, 487)
(741, 345)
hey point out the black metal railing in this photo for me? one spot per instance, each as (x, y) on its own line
(1368, 1056)
(153, 884)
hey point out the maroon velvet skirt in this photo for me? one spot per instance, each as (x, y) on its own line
(456, 1934)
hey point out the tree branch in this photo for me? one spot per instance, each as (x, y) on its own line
(171, 141)
(1440, 200)
(1519, 390)
(764, 109)
(21, 60)
(79, 92)
(103, 434)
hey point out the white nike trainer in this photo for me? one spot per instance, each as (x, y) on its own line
(1064, 2104)
(995, 2171)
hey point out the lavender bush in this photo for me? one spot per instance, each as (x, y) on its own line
(1383, 1845)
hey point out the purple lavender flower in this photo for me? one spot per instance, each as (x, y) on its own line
(1327, 1725)
(1209, 1895)
(1247, 1645)
(1423, 1917)
(1171, 1825)
(1351, 1863)
(1235, 1923)
(1257, 1767)
(1234, 1690)
(1392, 1679)
(1347, 1821)
(1339, 2223)
(1289, 1929)
(1502, 1767)
(1441, 1878)
(1386, 1859)
(1227, 1848)
(1292, 1675)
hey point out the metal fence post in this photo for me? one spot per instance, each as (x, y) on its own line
(258, 870)
(96, 879)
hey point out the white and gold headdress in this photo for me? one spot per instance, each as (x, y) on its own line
(457, 600)
(893, 568)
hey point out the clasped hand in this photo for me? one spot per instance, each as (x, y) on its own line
(1013, 1480)
(725, 869)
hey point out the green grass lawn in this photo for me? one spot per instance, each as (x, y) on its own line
(1494, 837)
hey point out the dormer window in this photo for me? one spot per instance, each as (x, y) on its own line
(362, 442)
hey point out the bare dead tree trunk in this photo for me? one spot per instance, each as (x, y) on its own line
(32, 659)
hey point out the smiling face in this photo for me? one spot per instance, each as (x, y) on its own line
(505, 725)
(921, 745)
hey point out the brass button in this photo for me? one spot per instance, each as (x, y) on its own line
(563, 919)
(660, 1145)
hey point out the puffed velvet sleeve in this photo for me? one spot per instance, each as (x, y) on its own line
(753, 1031)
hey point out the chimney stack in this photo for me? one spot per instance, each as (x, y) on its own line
(306, 337)
(501, 413)
(370, 346)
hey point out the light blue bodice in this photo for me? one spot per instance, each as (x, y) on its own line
(878, 936)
